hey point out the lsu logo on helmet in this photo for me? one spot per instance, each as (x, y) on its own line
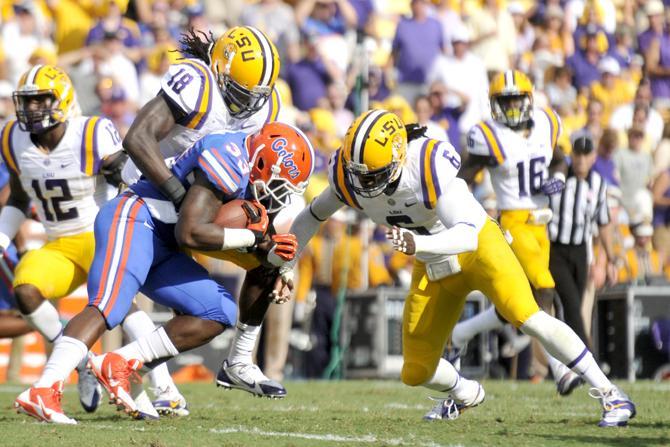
(246, 65)
(374, 151)
(43, 98)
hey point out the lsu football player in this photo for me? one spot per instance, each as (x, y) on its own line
(412, 188)
(67, 166)
(139, 237)
(227, 84)
(519, 148)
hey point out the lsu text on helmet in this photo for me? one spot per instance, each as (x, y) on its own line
(281, 158)
(374, 151)
(245, 64)
(43, 98)
(511, 97)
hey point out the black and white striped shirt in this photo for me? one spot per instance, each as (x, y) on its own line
(581, 204)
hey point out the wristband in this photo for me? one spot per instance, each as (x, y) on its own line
(237, 238)
(173, 190)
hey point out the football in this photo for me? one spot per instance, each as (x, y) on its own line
(232, 215)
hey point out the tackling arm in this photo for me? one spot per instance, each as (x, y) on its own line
(152, 124)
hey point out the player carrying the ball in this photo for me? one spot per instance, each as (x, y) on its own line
(139, 238)
(412, 187)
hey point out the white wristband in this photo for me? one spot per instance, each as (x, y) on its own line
(4, 241)
(11, 219)
(237, 238)
(559, 175)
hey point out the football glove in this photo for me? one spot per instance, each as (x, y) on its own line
(402, 240)
(553, 186)
(257, 219)
(285, 246)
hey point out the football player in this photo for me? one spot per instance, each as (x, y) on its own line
(227, 84)
(265, 166)
(67, 166)
(519, 149)
(414, 190)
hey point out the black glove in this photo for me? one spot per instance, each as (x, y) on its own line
(415, 131)
(173, 190)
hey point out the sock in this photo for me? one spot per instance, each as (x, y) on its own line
(562, 343)
(65, 357)
(445, 378)
(46, 321)
(558, 369)
(156, 345)
(137, 325)
(466, 330)
(243, 343)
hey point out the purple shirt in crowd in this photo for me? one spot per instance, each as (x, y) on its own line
(308, 80)
(416, 45)
(584, 73)
(607, 170)
(660, 85)
(452, 115)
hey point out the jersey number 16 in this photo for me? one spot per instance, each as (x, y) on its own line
(530, 176)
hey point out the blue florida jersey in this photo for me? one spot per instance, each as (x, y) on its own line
(222, 157)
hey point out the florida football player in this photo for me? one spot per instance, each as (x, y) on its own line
(264, 166)
(519, 149)
(227, 84)
(414, 190)
(67, 166)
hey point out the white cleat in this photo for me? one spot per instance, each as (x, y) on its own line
(618, 409)
(249, 377)
(90, 391)
(451, 407)
(43, 404)
(169, 402)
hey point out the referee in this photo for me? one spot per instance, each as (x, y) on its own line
(581, 205)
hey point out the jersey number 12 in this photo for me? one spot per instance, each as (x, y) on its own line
(56, 200)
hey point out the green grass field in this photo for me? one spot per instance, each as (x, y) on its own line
(369, 413)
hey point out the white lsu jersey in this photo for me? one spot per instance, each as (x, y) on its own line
(429, 168)
(191, 88)
(65, 185)
(518, 163)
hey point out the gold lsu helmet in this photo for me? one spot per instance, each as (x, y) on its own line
(43, 98)
(511, 98)
(374, 151)
(246, 65)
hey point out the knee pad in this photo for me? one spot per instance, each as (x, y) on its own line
(415, 374)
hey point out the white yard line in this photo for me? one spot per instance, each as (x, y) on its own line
(369, 439)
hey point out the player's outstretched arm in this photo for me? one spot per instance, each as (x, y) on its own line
(14, 212)
(112, 166)
(196, 229)
(153, 123)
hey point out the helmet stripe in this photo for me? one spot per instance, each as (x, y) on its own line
(362, 133)
(30, 79)
(268, 56)
(509, 79)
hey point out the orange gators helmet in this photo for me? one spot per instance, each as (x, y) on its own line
(281, 159)
(246, 65)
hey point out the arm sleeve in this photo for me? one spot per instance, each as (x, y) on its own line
(463, 217)
(310, 219)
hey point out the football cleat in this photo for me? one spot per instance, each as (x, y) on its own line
(43, 404)
(248, 377)
(90, 391)
(568, 382)
(115, 374)
(618, 409)
(168, 402)
(451, 407)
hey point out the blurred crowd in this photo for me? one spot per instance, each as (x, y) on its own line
(603, 65)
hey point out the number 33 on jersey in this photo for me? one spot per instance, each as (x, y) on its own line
(65, 185)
